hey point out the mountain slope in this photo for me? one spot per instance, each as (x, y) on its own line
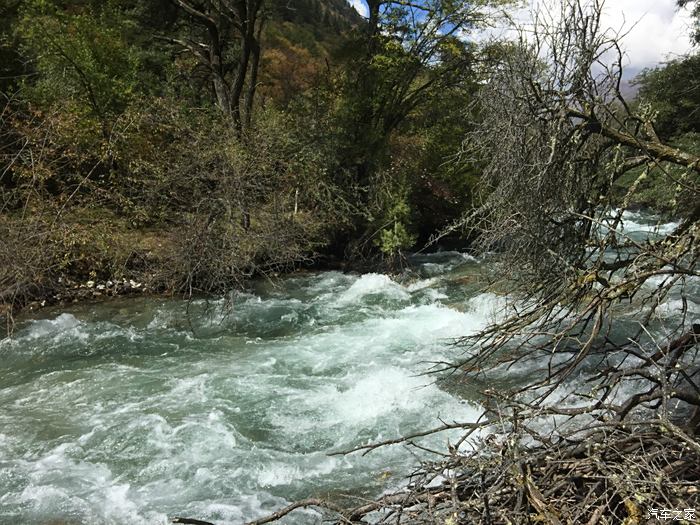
(321, 15)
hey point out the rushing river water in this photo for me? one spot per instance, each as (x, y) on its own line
(133, 411)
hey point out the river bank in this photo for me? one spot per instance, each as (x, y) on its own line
(141, 264)
(138, 265)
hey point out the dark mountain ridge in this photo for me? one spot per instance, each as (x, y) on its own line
(322, 15)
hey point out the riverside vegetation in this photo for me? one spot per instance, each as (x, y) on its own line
(188, 146)
(184, 147)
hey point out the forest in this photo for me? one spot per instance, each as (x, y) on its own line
(187, 148)
(180, 149)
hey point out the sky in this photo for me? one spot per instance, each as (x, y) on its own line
(658, 31)
(359, 6)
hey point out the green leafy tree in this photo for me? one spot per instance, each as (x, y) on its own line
(401, 63)
(81, 56)
(673, 91)
(404, 57)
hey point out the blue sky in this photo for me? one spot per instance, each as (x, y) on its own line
(657, 30)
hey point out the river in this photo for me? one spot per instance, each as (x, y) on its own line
(135, 410)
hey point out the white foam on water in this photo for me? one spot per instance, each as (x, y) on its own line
(631, 223)
(62, 487)
(66, 331)
(61, 324)
(191, 388)
(489, 308)
(373, 284)
(421, 284)
(162, 319)
(635, 222)
(405, 337)
(638, 224)
(278, 473)
(378, 401)
(328, 281)
(250, 507)
(661, 229)
(433, 268)
(377, 394)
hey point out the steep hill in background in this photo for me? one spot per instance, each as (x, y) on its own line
(321, 16)
(298, 40)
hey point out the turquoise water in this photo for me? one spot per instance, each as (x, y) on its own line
(133, 411)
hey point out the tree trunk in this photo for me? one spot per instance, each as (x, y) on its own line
(373, 23)
(248, 14)
(253, 75)
(219, 18)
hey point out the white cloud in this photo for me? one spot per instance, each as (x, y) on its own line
(360, 7)
(654, 30)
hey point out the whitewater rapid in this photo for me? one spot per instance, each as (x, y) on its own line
(134, 411)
